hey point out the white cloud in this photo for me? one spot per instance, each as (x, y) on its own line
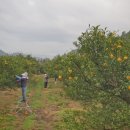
(48, 27)
(31, 2)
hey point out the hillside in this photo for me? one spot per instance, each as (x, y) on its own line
(2, 53)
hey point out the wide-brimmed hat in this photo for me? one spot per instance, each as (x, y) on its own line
(25, 74)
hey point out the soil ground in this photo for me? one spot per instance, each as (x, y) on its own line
(42, 111)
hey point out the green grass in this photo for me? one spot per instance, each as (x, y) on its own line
(71, 119)
(48, 106)
(28, 123)
(57, 98)
(6, 121)
(36, 99)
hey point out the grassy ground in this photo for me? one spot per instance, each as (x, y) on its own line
(50, 108)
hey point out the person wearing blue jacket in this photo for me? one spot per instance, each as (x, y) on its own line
(23, 79)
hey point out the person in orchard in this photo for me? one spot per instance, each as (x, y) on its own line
(23, 83)
(46, 80)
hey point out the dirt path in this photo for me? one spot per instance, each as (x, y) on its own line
(55, 101)
(46, 104)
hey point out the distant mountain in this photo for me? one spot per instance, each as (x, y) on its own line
(2, 53)
(16, 54)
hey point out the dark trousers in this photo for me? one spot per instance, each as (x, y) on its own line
(24, 93)
(55, 79)
(45, 84)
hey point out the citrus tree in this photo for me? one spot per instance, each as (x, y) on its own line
(98, 71)
(109, 54)
(15, 65)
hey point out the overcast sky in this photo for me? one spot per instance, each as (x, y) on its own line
(45, 28)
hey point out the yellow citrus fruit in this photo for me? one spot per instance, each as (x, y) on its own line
(119, 59)
(60, 77)
(128, 77)
(128, 87)
(111, 56)
(125, 57)
(119, 46)
(70, 78)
